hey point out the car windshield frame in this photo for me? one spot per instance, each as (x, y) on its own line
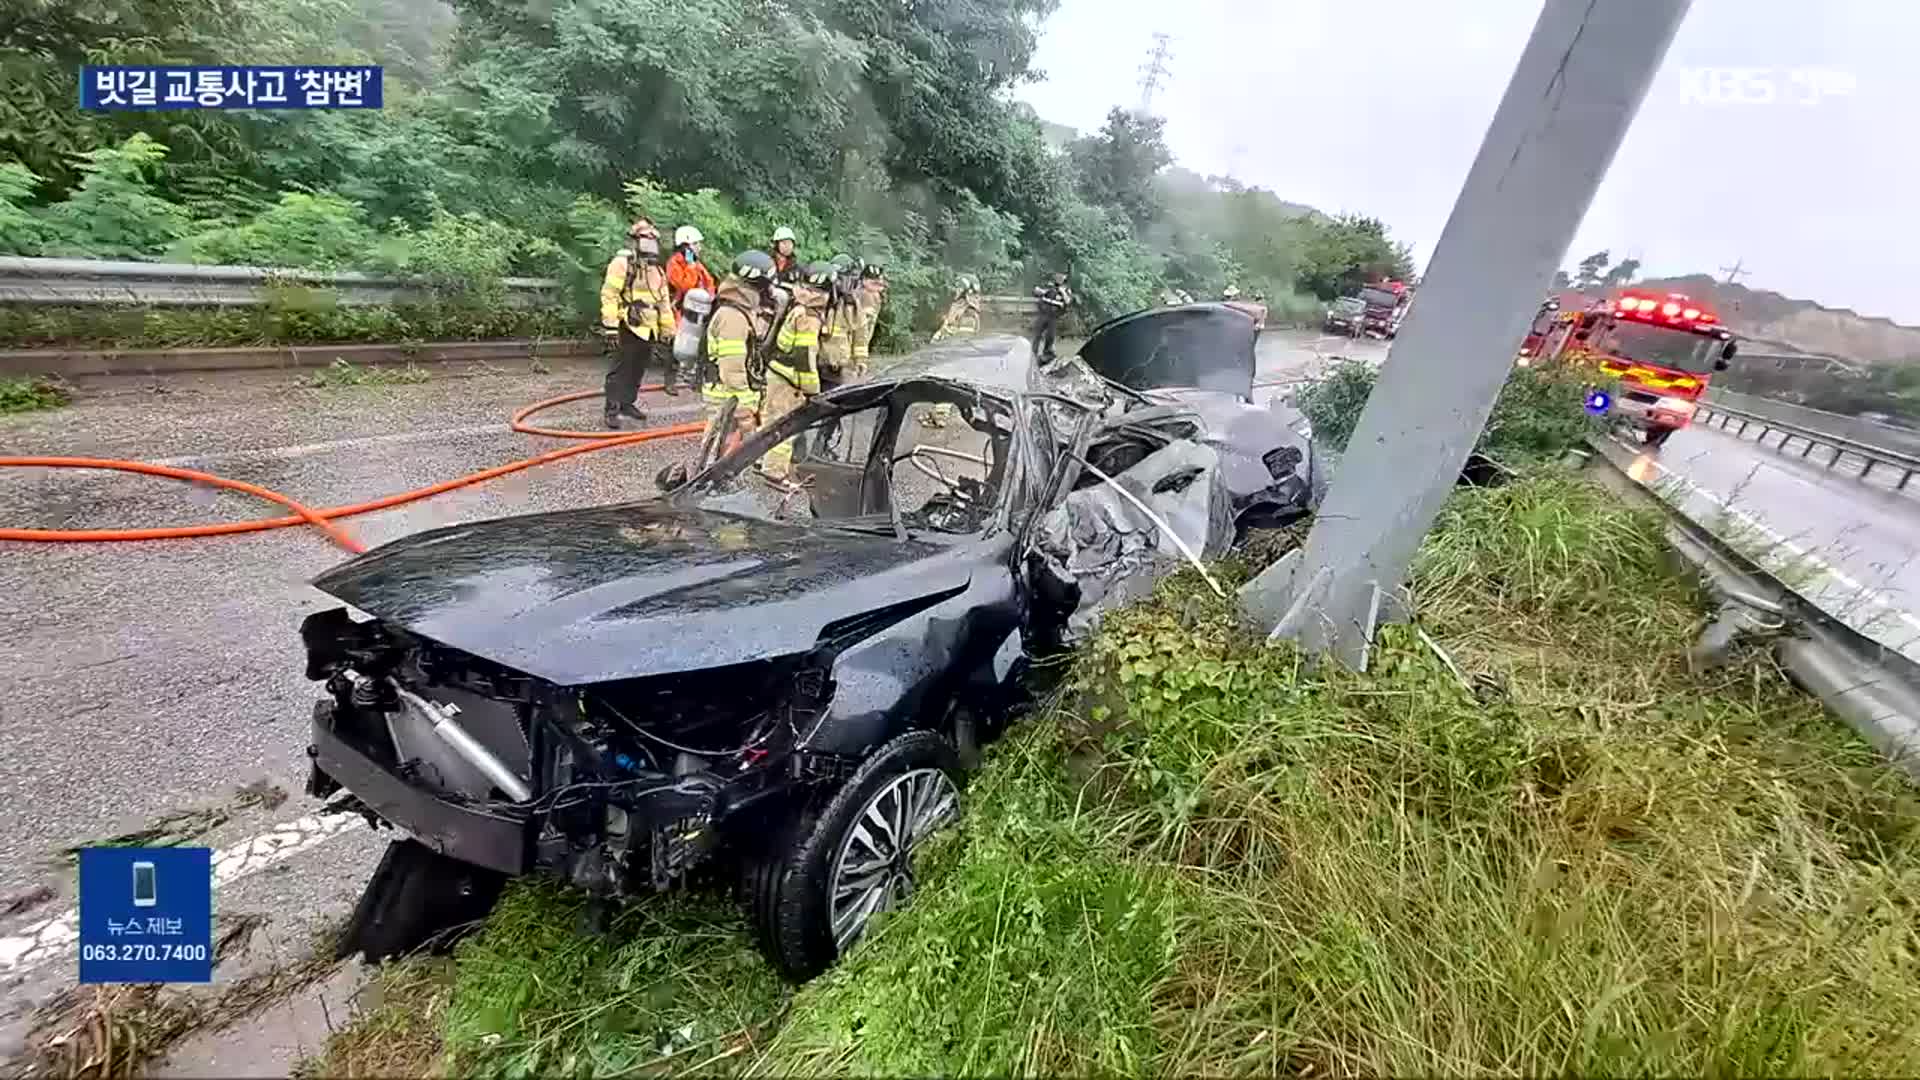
(721, 485)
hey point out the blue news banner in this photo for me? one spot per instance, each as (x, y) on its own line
(146, 915)
(142, 88)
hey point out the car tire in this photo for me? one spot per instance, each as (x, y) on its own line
(914, 779)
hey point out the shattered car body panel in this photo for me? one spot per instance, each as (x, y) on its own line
(619, 694)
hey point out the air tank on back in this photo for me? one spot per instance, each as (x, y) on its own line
(694, 309)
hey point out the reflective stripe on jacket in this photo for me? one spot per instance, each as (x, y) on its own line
(797, 342)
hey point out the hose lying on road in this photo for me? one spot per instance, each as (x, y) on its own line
(324, 519)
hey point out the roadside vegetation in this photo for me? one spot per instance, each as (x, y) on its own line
(343, 374)
(32, 393)
(1538, 415)
(1529, 840)
(503, 149)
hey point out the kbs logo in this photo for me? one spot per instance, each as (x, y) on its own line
(1763, 86)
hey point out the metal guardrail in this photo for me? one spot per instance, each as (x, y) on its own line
(1892, 461)
(1874, 688)
(94, 281)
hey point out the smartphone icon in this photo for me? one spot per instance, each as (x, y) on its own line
(146, 891)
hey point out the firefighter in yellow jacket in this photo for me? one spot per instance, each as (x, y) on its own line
(735, 333)
(873, 293)
(793, 368)
(840, 328)
(963, 315)
(962, 320)
(635, 317)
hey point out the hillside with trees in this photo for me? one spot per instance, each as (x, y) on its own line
(518, 134)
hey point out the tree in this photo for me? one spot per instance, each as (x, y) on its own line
(1622, 275)
(1117, 166)
(1592, 270)
(1561, 280)
(1342, 254)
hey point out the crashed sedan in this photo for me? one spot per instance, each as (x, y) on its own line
(780, 684)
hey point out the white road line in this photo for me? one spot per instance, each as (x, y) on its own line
(1872, 596)
(51, 939)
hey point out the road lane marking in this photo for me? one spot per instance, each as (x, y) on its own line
(1872, 596)
(51, 939)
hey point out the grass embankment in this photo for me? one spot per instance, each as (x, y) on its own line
(1530, 841)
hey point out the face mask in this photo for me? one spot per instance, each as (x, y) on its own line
(692, 256)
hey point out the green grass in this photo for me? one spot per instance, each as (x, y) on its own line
(1530, 840)
(342, 374)
(32, 393)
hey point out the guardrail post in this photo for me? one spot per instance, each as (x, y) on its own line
(1835, 459)
(1809, 448)
(1579, 82)
(1867, 468)
(1904, 477)
(1743, 427)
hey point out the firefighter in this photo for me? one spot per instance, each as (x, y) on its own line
(962, 320)
(785, 266)
(963, 315)
(633, 310)
(840, 327)
(793, 365)
(873, 292)
(1054, 299)
(685, 271)
(735, 334)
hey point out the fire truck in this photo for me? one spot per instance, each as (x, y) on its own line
(1386, 306)
(1663, 347)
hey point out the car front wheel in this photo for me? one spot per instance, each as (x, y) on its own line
(818, 884)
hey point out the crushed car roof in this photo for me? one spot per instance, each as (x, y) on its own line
(1204, 346)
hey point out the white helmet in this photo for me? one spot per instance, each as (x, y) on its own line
(686, 234)
(1233, 292)
(782, 233)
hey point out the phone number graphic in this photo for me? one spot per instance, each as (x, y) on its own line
(141, 951)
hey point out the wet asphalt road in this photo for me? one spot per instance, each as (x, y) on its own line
(149, 679)
(1851, 546)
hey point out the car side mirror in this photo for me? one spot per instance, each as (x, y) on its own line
(1728, 351)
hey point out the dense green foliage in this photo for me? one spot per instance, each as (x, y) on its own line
(1540, 413)
(516, 134)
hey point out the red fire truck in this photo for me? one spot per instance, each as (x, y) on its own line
(1663, 347)
(1386, 306)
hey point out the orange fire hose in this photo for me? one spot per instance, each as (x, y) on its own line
(323, 519)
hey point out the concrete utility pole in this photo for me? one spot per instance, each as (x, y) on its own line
(1576, 90)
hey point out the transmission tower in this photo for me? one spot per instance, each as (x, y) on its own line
(1736, 271)
(1154, 72)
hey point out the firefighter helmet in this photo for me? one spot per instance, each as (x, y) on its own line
(754, 266)
(782, 233)
(873, 271)
(819, 275)
(686, 234)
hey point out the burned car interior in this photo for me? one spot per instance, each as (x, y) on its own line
(777, 681)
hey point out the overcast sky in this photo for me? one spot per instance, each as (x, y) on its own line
(1382, 113)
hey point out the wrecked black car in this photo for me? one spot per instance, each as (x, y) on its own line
(782, 682)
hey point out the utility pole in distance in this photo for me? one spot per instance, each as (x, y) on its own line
(1154, 72)
(1579, 83)
(1736, 271)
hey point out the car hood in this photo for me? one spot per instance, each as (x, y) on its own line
(615, 592)
(1205, 346)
